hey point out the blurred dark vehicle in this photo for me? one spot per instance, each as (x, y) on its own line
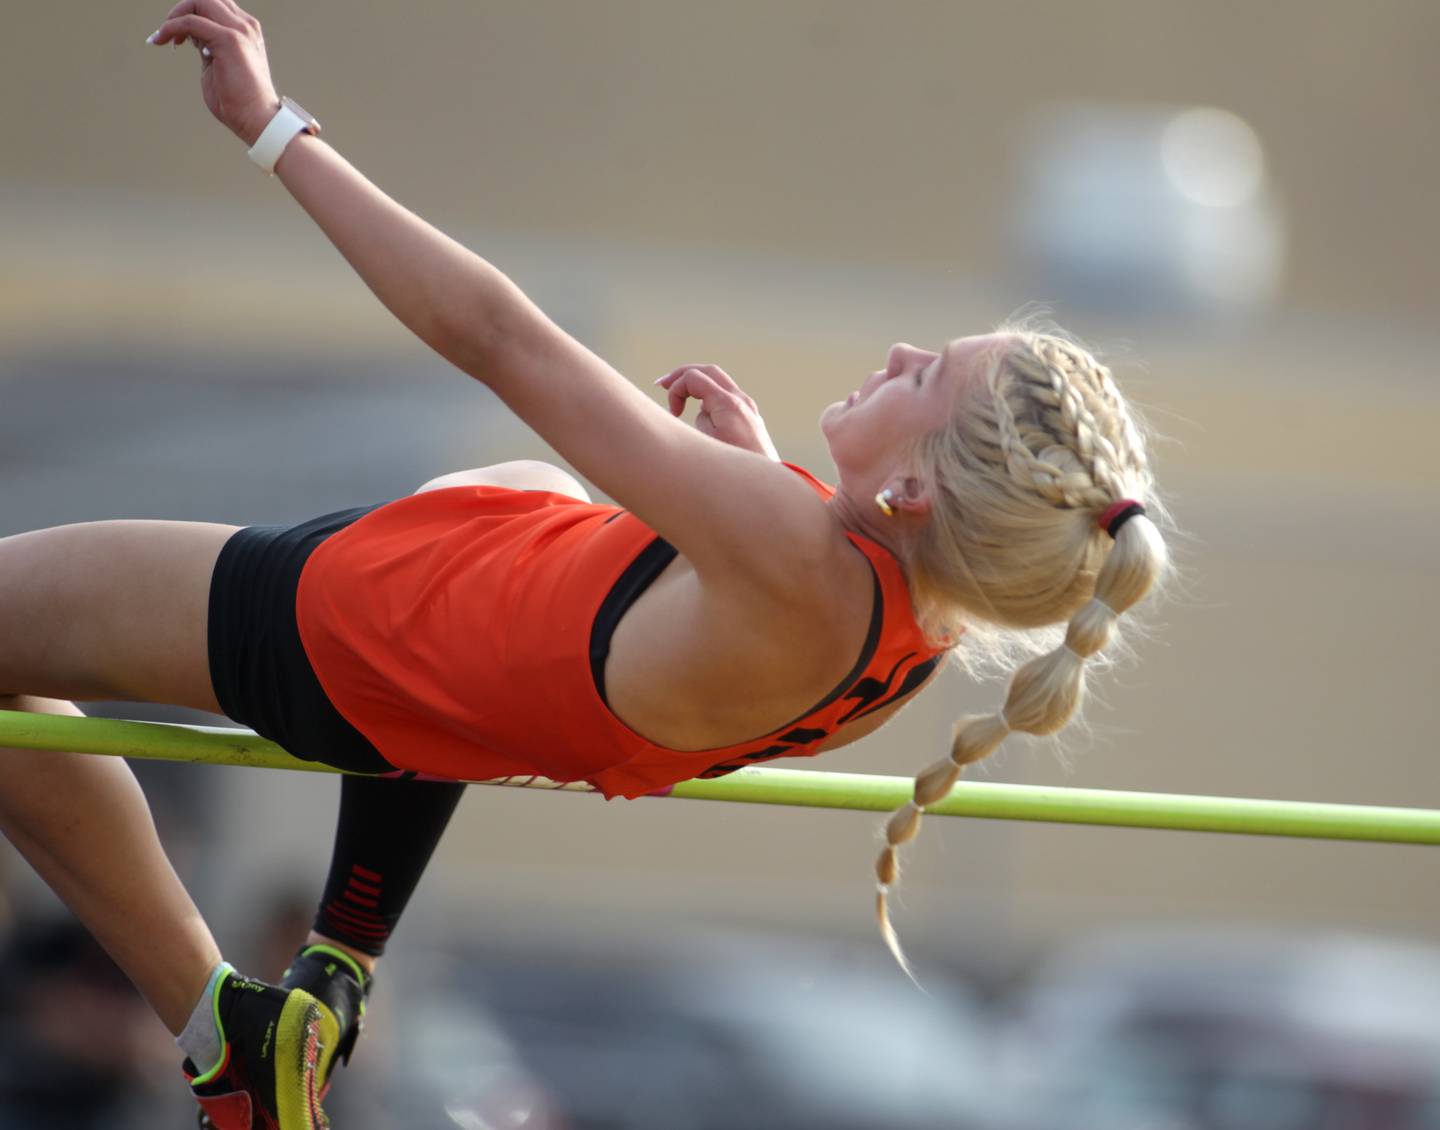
(1231, 1031)
(737, 1033)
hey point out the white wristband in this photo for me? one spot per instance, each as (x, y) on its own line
(276, 136)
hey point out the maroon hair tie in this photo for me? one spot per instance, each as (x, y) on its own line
(1116, 515)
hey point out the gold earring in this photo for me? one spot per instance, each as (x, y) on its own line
(882, 500)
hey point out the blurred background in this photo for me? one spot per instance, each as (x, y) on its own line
(1233, 203)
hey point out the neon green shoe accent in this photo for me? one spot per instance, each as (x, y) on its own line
(296, 1081)
(225, 973)
(332, 1033)
(340, 955)
(329, 1029)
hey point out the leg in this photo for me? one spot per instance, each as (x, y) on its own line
(109, 610)
(387, 830)
(83, 824)
(120, 610)
(385, 836)
(386, 833)
(520, 474)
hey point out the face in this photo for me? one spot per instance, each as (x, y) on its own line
(870, 431)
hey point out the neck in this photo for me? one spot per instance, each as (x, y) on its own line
(862, 516)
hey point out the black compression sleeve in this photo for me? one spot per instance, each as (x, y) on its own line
(386, 834)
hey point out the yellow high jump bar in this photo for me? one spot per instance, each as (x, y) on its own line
(804, 788)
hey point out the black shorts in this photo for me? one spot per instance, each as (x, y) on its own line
(261, 674)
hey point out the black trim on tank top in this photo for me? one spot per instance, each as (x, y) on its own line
(650, 563)
(867, 653)
(638, 577)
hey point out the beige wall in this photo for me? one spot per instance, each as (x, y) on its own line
(849, 129)
(785, 188)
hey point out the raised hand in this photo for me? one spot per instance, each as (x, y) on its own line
(726, 412)
(234, 71)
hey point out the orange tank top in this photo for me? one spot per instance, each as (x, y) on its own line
(464, 632)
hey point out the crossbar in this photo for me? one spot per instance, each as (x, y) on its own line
(216, 745)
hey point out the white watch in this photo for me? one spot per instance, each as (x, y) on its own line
(291, 119)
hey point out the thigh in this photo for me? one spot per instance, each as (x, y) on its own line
(109, 610)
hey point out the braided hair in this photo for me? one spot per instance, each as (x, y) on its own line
(1041, 447)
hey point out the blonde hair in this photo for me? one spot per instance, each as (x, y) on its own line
(1041, 445)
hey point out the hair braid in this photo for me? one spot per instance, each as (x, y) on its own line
(1030, 468)
(1050, 437)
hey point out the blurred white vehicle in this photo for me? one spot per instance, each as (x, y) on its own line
(1209, 1030)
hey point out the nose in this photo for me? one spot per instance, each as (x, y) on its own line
(903, 355)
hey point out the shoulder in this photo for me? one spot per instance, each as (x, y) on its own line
(794, 551)
(806, 616)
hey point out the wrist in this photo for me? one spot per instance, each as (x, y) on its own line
(297, 143)
(250, 132)
(285, 123)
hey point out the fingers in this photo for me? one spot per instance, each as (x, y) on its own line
(725, 381)
(694, 382)
(691, 382)
(203, 31)
(720, 377)
(246, 20)
(218, 11)
(714, 372)
(669, 381)
(215, 16)
(717, 376)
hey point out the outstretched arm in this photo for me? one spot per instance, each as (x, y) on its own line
(702, 495)
(423, 277)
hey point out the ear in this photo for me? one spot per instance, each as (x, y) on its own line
(909, 496)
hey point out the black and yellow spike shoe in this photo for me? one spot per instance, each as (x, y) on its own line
(267, 1077)
(340, 987)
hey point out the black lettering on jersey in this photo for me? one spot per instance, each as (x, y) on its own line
(768, 753)
(869, 690)
(719, 771)
(794, 739)
(871, 694)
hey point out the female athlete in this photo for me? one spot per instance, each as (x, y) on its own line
(729, 610)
